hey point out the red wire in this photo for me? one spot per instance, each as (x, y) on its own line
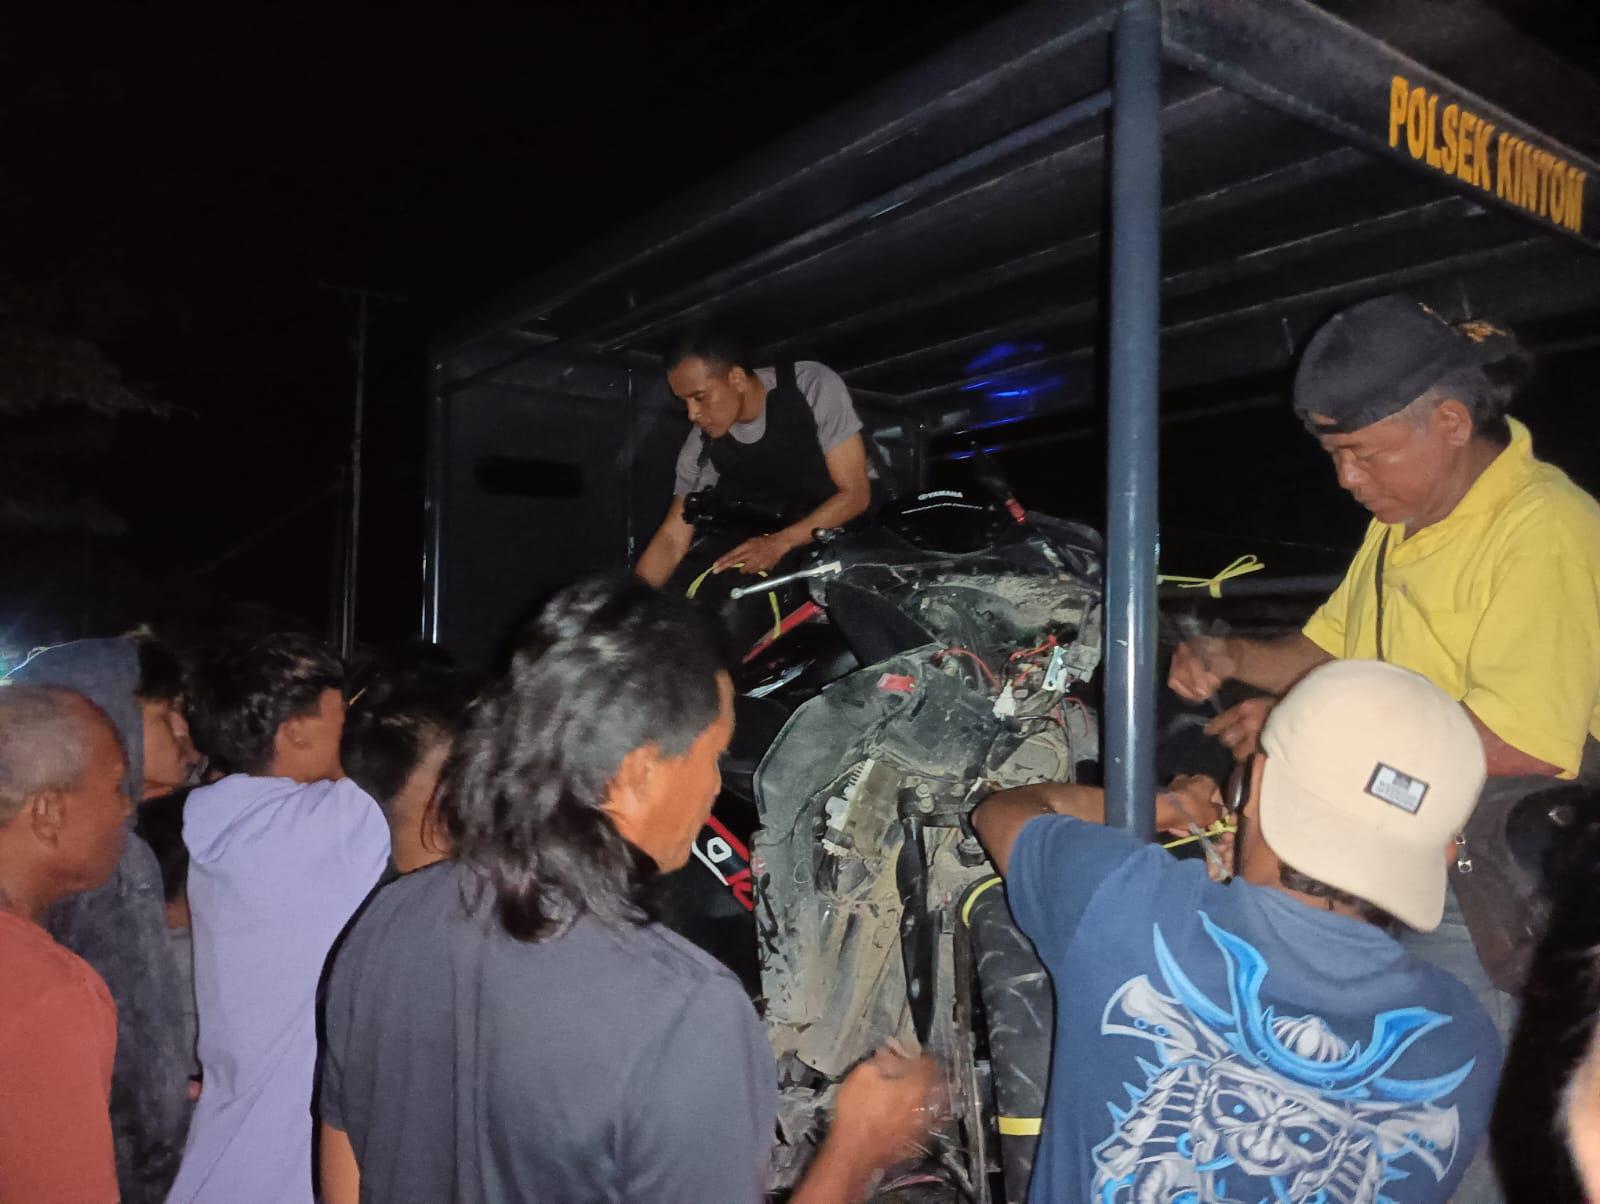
(988, 673)
(1049, 643)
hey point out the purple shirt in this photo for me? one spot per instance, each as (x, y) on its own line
(276, 870)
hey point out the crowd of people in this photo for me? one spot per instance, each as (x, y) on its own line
(502, 1021)
(274, 930)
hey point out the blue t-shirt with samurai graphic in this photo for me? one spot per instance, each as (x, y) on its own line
(1230, 1044)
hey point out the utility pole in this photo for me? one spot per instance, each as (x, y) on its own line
(350, 562)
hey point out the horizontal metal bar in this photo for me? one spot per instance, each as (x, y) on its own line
(1259, 262)
(717, 288)
(676, 307)
(1364, 285)
(1327, 295)
(1304, 61)
(1080, 249)
(962, 76)
(1096, 428)
(1197, 105)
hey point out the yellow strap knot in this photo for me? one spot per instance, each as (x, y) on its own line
(1223, 827)
(1213, 585)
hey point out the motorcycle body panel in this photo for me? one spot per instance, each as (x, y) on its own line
(863, 847)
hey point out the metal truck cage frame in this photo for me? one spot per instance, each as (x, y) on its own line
(1225, 172)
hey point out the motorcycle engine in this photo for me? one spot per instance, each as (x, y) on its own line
(864, 846)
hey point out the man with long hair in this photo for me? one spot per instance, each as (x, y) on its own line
(509, 1024)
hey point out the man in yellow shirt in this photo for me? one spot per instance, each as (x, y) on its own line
(1480, 570)
(1481, 567)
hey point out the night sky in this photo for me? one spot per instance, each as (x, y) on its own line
(183, 185)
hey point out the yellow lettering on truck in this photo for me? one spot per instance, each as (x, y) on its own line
(1447, 156)
(1469, 123)
(1416, 123)
(1505, 175)
(1397, 108)
(1451, 138)
(1480, 156)
(1575, 183)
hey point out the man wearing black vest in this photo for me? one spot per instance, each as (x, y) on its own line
(785, 439)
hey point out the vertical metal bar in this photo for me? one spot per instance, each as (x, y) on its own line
(630, 456)
(919, 455)
(352, 547)
(1132, 541)
(433, 510)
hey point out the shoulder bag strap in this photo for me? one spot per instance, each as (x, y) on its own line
(1377, 588)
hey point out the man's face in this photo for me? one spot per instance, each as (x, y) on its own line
(94, 814)
(712, 399)
(170, 759)
(1398, 468)
(678, 795)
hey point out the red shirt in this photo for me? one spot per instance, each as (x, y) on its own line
(58, 1036)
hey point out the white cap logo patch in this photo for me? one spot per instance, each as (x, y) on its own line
(1396, 788)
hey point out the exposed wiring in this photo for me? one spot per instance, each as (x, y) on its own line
(1069, 700)
(1047, 646)
(988, 673)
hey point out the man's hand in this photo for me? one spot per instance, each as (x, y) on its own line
(1190, 798)
(1239, 727)
(888, 1105)
(885, 1110)
(1199, 667)
(1196, 799)
(757, 555)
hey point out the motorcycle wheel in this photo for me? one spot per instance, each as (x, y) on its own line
(1006, 994)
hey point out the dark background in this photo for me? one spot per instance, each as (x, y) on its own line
(186, 188)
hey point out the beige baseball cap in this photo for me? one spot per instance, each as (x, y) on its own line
(1371, 770)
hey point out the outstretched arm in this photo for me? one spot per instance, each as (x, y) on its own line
(997, 820)
(1200, 666)
(886, 1107)
(667, 547)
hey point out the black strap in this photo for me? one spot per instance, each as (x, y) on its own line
(1377, 583)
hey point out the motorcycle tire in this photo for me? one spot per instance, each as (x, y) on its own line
(1019, 1008)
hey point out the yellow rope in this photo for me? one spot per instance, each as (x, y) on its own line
(1239, 568)
(772, 597)
(1222, 827)
(777, 615)
(694, 586)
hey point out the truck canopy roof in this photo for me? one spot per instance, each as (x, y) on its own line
(941, 242)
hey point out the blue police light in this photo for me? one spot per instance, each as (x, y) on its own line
(1000, 353)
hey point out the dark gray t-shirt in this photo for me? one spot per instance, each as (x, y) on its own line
(599, 1066)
